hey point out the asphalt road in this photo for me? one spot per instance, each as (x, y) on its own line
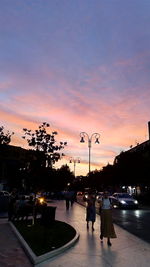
(136, 221)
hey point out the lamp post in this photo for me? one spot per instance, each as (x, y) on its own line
(74, 161)
(94, 135)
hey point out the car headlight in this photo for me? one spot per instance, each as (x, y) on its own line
(135, 202)
(122, 202)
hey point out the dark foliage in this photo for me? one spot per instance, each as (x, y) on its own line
(5, 138)
(40, 140)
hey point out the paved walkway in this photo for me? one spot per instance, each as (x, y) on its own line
(126, 250)
(11, 253)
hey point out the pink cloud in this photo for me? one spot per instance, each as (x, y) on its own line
(94, 106)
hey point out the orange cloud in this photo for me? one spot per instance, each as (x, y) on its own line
(90, 105)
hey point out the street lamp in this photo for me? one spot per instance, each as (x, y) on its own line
(94, 135)
(74, 161)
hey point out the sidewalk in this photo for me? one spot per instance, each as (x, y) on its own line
(11, 252)
(126, 250)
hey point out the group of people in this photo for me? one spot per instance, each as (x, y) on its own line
(106, 228)
(19, 207)
(70, 197)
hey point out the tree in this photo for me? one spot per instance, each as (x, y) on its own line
(64, 177)
(5, 138)
(45, 142)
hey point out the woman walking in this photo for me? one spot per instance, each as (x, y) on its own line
(90, 211)
(107, 228)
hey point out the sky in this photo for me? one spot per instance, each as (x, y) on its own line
(81, 66)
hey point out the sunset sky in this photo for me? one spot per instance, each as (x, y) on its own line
(80, 65)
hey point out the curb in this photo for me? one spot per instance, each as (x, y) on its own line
(38, 259)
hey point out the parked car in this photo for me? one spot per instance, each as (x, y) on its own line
(123, 200)
(4, 193)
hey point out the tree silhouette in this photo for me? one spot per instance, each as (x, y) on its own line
(64, 176)
(5, 138)
(45, 142)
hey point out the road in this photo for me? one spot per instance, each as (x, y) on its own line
(136, 222)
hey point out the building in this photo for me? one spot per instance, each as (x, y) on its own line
(15, 164)
(133, 167)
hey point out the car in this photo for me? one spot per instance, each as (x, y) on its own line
(123, 200)
(4, 193)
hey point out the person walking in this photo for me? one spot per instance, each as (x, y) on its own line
(107, 227)
(90, 211)
(68, 198)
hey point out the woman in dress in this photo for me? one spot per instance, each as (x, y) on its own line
(90, 211)
(107, 227)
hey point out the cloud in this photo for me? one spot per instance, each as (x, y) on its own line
(85, 71)
(71, 111)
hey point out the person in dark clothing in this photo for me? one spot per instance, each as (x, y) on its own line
(11, 205)
(90, 211)
(69, 197)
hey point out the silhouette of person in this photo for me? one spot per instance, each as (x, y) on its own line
(69, 198)
(107, 227)
(90, 211)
